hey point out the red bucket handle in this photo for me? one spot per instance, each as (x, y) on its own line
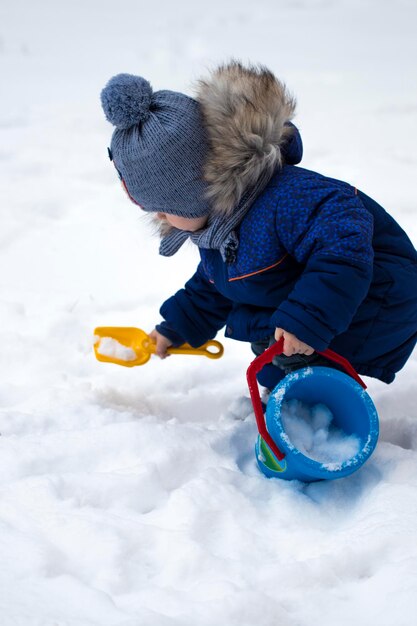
(265, 358)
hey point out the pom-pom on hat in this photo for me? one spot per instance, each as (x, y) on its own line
(158, 147)
(126, 100)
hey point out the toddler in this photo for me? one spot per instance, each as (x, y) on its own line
(285, 251)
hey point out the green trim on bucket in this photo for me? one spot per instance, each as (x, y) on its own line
(271, 460)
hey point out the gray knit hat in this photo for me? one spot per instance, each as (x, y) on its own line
(158, 147)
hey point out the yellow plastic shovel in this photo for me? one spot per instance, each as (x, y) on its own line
(130, 346)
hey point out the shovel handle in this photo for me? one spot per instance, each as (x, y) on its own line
(212, 349)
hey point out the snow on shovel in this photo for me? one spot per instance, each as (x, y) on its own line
(130, 346)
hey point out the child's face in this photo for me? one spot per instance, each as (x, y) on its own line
(183, 223)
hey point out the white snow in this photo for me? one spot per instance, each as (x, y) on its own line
(131, 496)
(107, 346)
(310, 430)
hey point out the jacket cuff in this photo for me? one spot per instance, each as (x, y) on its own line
(170, 334)
(310, 331)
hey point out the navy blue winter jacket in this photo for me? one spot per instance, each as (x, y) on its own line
(318, 258)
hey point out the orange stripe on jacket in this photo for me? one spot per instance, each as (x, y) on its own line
(258, 271)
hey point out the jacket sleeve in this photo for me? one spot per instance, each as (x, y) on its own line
(327, 229)
(195, 312)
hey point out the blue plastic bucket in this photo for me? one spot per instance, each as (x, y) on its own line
(353, 413)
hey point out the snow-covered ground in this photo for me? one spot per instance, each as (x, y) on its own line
(130, 496)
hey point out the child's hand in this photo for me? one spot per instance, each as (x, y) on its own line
(292, 345)
(162, 343)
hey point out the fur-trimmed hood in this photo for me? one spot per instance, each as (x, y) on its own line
(246, 113)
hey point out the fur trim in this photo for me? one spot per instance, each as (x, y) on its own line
(159, 227)
(244, 111)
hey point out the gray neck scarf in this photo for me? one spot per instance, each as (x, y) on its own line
(220, 233)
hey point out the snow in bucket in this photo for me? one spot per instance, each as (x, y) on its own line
(323, 421)
(310, 429)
